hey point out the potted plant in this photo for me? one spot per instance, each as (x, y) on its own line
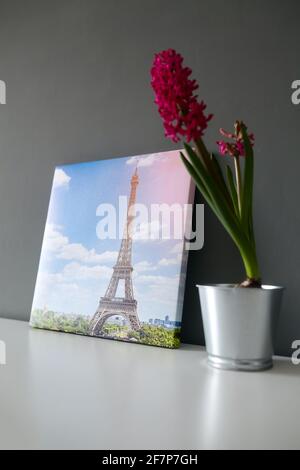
(239, 319)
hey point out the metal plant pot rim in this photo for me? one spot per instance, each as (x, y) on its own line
(233, 286)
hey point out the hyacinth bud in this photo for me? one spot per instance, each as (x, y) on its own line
(235, 148)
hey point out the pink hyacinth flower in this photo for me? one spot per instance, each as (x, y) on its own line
(182, 114)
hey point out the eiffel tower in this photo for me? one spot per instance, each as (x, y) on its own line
(111, 305)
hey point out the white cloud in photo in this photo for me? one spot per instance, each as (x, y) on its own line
(78, 285)
(147, 160)
(57, 292)
(170, 261)
(76, 251)
(60, 246)
(152, 279)
(54, 240)
(72, 272)
(76, 271)
(144, 266)
(75, 289)
(163, 288)
(61, 179)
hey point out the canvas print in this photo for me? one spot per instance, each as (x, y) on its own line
(113, 258)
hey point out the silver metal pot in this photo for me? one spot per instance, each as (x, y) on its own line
(239, 325)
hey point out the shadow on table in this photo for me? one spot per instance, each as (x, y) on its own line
(282, 365)
(285, 367)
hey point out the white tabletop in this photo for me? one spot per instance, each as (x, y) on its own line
(61, 391)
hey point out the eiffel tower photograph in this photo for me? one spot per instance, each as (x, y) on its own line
(126, 306)
(104, 270)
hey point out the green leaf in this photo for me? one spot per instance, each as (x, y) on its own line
(247, 195)
(215, 200)
(204, 154)
(232, 189)
(220, 176)
(201, 186)
(196, 179)
(229, 219)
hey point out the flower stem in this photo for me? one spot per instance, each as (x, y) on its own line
(238, 177)
(251, 265)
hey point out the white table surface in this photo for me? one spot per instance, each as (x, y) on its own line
(61, 391)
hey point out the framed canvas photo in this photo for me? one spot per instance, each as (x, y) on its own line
(113, 260)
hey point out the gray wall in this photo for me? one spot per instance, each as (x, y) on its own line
(77, 74)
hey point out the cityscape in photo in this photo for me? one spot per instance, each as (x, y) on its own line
(113, 262)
